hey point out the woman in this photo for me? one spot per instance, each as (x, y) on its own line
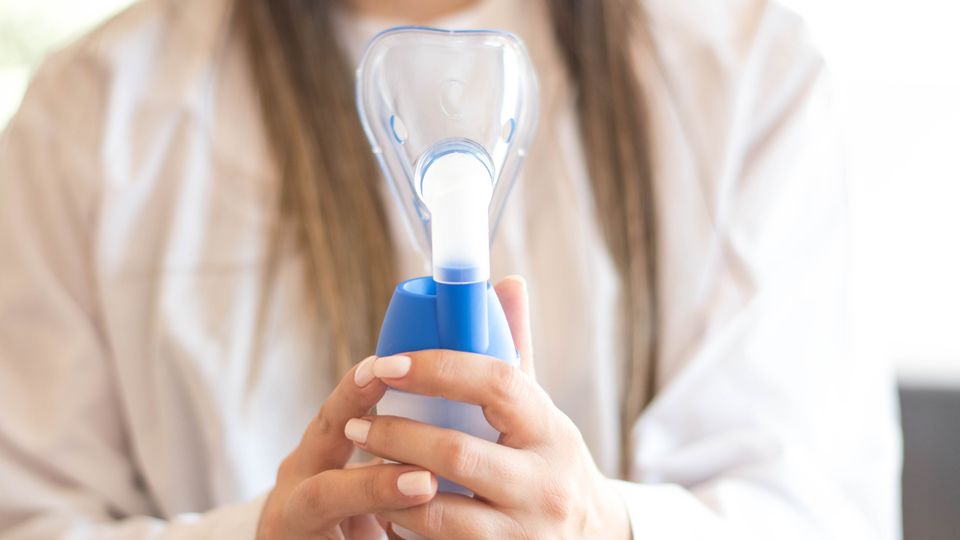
(197, 247)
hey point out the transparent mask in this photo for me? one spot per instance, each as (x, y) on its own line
(449, 115)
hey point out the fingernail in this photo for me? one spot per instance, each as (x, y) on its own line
(391, 367)
(518, 279)
(364, 373)
(357, 429)
(415, 483)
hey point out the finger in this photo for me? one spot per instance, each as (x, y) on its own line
(323, 445)
(493, 471)
(450, 515)
(512, 401)
(513, 295)
(324, 500)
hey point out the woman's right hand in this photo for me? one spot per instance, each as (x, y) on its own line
(315, 496)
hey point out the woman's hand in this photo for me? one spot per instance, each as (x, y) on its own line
(538, 482)
(315, 496)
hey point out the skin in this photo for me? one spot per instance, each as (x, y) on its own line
(539, 481)
(316, 495)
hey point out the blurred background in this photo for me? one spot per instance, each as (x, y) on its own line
(896, 70)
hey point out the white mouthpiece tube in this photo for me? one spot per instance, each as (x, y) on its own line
(457, 188)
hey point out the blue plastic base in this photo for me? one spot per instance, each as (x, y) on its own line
(419, 319)
(426, 315)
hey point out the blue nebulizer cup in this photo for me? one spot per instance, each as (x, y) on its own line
(449, 115)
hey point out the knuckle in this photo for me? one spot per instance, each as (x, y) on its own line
(557, 500)
(309, 495)
(372, 489)
(322, 426)
(287, 468)
(509, 383)
(565, 430)
(433, 518)
(462, 455)
(444, 366)
(560, 429)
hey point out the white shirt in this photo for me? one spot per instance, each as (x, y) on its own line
(143, 395)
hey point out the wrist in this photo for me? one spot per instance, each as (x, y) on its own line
(268, 524)
(610, 520)
(618, 516)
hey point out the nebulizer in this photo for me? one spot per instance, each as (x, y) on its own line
(449, 116)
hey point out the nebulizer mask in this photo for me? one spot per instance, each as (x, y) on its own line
(449, 116)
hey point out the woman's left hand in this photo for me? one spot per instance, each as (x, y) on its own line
(538, 482)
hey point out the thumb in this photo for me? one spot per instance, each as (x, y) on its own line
(512, 292)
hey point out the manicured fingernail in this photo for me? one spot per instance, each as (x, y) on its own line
(518, 279)
(357, 429)
(391, 367)
(415, 483)
(364, 373)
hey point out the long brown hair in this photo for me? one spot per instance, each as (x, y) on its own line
(330, 194)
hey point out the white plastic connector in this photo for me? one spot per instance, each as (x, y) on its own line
(456, 189)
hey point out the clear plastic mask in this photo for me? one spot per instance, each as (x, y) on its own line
(447, 110)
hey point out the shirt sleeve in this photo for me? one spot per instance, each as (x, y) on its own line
(66, 469)
(766, 423)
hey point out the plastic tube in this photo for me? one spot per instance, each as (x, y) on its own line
(457, 189)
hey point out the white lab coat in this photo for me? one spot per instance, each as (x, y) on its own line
(152, 375)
